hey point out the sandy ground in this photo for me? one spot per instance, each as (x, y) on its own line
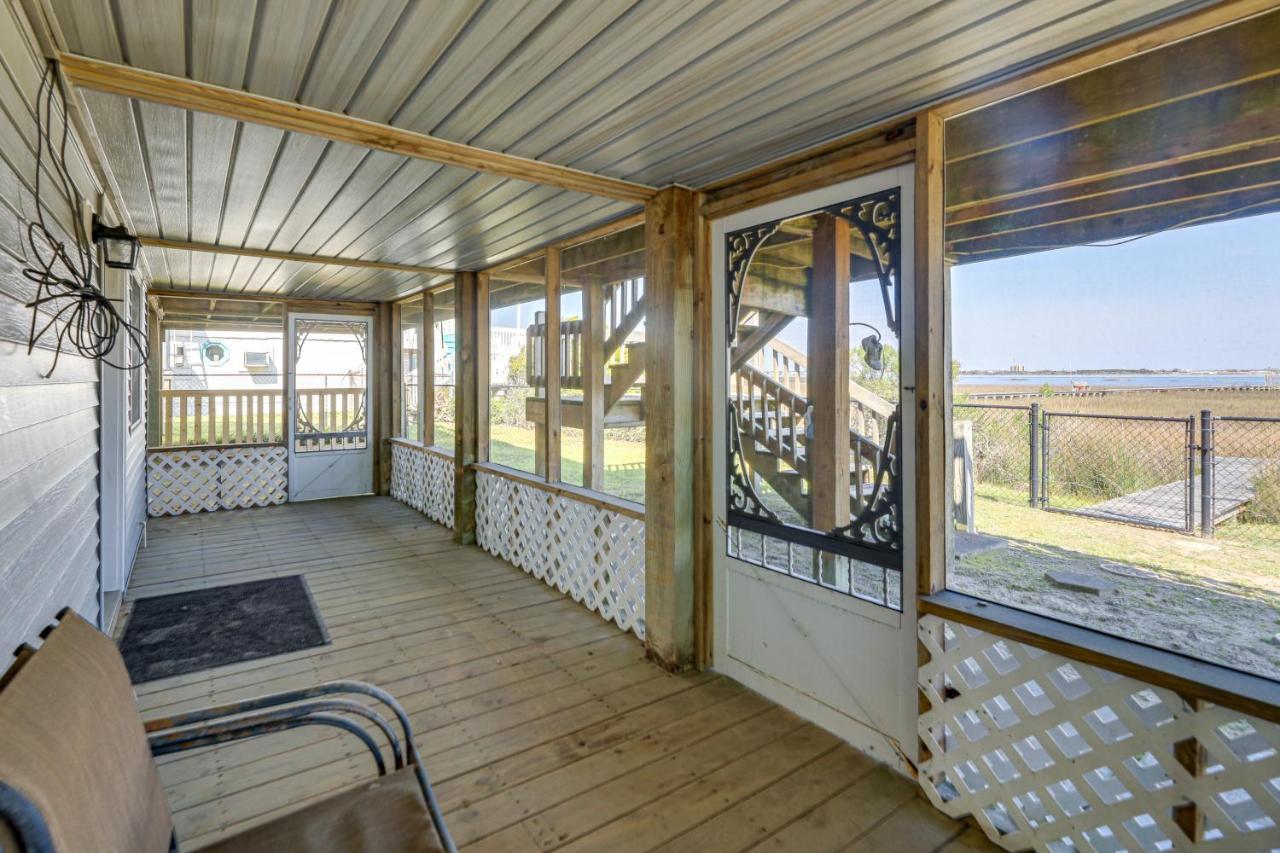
(1233, 621)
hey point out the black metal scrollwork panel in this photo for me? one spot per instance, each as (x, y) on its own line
(873, 533)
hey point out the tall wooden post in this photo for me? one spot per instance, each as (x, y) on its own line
(468, 378)
(385, 365)
(671, 219)
(481, 379)
(427, 371)
(155, 374)
(593, 397)
(551, 366)
(828, 383)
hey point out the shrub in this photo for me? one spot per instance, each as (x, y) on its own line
(1265, 506)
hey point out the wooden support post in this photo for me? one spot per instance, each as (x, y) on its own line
(933, 438)
(933, 434)
(593, 394)
(427, 371)
(481, 379)
(385, 389)
(155, 375)
(828, 384)
(671, 223)
(470, 304)
(551, 366)
(705, 407)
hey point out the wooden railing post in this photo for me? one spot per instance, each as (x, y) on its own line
(471, 387)
(593, 370)
(427, 371)
(671, 222)
(551, 367)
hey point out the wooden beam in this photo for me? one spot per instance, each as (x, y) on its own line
(931, 301)
(551, 366)
(155, 371)
(1157, 36)
(480, 380)
(671, 224)
(326, 260)
(593, 370)
(704, 443)
(338, 306)
(860, 153)
(828, 381)
(385, 370)
(468, 394)
(140, 84)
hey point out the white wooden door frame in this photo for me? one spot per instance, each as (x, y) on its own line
(846, 664)
(340, 462)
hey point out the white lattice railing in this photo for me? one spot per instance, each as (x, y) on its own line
(1052, 754)
(185, 480)
(589, 548)
(422, 477)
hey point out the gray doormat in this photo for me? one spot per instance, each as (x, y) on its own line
(189, 631)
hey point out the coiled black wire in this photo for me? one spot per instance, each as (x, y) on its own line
(84, 318)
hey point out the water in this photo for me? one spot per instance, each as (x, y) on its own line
(1119, 380)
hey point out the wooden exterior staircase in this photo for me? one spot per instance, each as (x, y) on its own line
(768, 389)
(623, 360)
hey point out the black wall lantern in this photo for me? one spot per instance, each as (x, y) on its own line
(120, 246)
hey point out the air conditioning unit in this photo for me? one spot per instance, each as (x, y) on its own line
(257, 360)
(178, 356)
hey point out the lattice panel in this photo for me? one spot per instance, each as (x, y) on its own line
(592, 554)
(1052, 754)
(423, 480)
(186, 481)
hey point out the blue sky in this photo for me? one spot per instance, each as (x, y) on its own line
(1206, 296)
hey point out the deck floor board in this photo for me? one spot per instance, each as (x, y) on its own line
(542, 726)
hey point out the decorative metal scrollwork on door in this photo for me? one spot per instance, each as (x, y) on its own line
(770, 423)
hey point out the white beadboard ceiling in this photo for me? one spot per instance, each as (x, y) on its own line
(653, 91)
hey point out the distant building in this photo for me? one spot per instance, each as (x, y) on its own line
(1017, 368)
(1079, 386)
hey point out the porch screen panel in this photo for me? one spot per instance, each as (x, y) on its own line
(331, 407)
(411, 353)
(603, 311)
(813, 397)
(517, 384)
(444, 346)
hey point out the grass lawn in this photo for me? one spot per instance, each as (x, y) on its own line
(623, 460)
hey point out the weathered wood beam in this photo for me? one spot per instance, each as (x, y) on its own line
(671, 224)
(472, 370)
(1113, 207)
(215, 249)
(828, 380)
(858, 154)
(140, 84)
(551, 366)
(593, 370)
(1215, 123)
(341, 306)
(1207, 63)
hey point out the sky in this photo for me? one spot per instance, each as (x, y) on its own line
(1201, 297)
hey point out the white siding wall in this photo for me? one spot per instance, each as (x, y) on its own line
(48, 427)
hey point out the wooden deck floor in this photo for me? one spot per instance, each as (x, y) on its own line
(542, 726)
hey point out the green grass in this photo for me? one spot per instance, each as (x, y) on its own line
(623, 460)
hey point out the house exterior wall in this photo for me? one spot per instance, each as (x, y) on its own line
(49, 425)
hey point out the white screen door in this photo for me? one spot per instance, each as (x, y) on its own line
(330, 453)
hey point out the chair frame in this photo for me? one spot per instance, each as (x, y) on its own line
(290, 709)
(322, 705)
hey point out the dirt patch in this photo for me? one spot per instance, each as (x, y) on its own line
(1218, 625)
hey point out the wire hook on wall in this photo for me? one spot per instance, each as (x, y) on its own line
(83, 317)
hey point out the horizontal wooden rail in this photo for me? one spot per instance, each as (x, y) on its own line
(1190, 678)
(433, 449)
(244, 416)
(596, 499)
(138, 83)
(327, 260)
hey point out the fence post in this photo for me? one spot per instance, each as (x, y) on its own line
(1034, 493)
(1206, 473)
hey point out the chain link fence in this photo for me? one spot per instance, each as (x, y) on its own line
(1245, 480)
(1212, 475)
(1138, 470)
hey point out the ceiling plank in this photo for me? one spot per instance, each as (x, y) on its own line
(215, 249)
(257, 109)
